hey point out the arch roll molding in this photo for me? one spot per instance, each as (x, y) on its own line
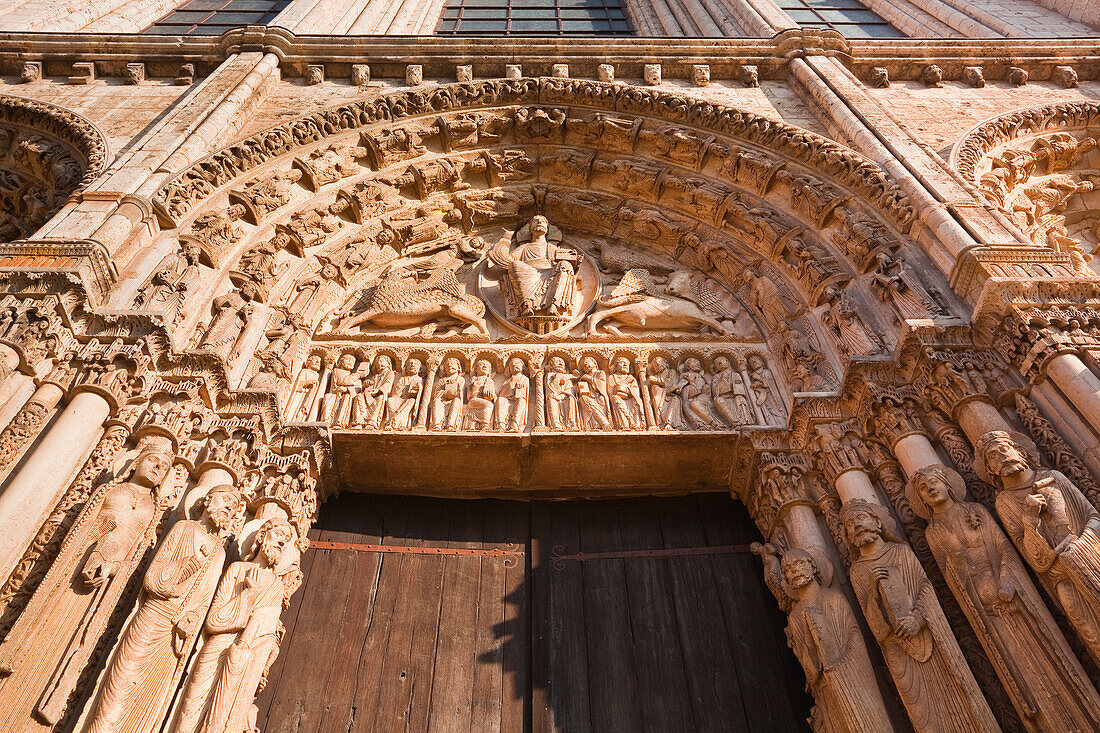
(46, 154)
(560, 288)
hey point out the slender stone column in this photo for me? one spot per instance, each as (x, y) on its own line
(1077, 382)
(25, 426)
(1073, 429)
(32, 491)
(855, 484)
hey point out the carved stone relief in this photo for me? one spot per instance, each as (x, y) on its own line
(1041, 168)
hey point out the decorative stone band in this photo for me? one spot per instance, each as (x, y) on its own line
(85, 257)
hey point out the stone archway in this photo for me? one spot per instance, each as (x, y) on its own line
(766, 249)
(46, 154)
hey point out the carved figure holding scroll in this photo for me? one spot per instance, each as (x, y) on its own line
(240, 634)
(305, 390)
(695, 394)
(481, 397)
(625, 396)
(763, 395)
(730, 395)
(177, 589)
(513, 398)
(342, 389)
(404, 400)
(370, 403)
(932, 677)
(1053, 526)
(823, 632)
(592, 396)
(450, 394)
(1039, 671)
(667, 406)
(561, 396)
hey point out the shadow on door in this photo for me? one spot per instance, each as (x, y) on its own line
(442, 615)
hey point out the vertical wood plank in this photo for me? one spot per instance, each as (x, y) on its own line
(361, 522)
(516, 634)
(771, 697)
(489, 651)
(614, 703)
(453, 681)
(658, 659)
(568, 648)
(715, 690)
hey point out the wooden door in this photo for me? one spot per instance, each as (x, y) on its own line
(627, 615)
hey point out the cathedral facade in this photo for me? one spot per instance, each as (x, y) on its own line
(549, 365)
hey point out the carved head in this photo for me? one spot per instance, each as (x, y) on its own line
(151, 465)
(272, 539)
(483, 368)
(621, 365)
(192, 251)
(799, 568)
(862, 523)
(539, 226)
(412, 367)
(452, 366)
(755, 362)
(313, 361)
(933, 489)
(346, 361)
(679, 283)
(515, 365)
(721, 364)
(223, 504)
(691, 364)
(589, 365)
(383, 364)
(660, 364)
(557, 364)
(1001, 456)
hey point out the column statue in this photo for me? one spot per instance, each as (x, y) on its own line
(240, 638)
(1045, 681)
(176, 592)
(932, 677)
(1053, 526)
(824, 635)
(48, 649)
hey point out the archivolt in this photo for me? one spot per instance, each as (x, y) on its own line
(849, 169)
(46, 153)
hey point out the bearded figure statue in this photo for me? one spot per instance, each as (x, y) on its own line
(158, 639)
(1040, 673)
(936, 685)
(1052, 524)
(240, 636)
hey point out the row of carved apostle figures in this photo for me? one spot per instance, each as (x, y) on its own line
(621, 393)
